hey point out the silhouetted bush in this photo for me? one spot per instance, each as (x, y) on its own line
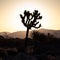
(38, 36)
(40, 45)
(1, 37)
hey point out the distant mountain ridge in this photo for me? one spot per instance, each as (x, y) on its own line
(22, 34)
(56, 33)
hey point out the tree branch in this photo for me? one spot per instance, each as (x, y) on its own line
(38, 26)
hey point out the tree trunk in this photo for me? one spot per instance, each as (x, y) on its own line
(26, 39)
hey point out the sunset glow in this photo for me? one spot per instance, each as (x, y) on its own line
(11, 9)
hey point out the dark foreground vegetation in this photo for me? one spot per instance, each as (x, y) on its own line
(42, 47)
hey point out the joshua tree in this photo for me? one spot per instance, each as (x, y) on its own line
(30, 20)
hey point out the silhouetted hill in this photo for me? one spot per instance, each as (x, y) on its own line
(56, 33)
(4, 34)
(18, 34)
(21, 34)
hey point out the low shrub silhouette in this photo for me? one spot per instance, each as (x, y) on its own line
(39, 46)
(41, 37)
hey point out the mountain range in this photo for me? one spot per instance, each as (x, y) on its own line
(22, 34)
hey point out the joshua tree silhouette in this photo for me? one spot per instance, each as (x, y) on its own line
(30, 20)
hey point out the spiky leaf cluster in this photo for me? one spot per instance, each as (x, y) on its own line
(30, 19)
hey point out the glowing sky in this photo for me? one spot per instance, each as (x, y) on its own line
(10, 9)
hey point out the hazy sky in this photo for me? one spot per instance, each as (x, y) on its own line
(10, 9)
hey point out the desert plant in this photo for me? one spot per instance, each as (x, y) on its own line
(38, 36)
(30, 20)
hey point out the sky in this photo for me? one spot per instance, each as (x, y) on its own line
(10, 20)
